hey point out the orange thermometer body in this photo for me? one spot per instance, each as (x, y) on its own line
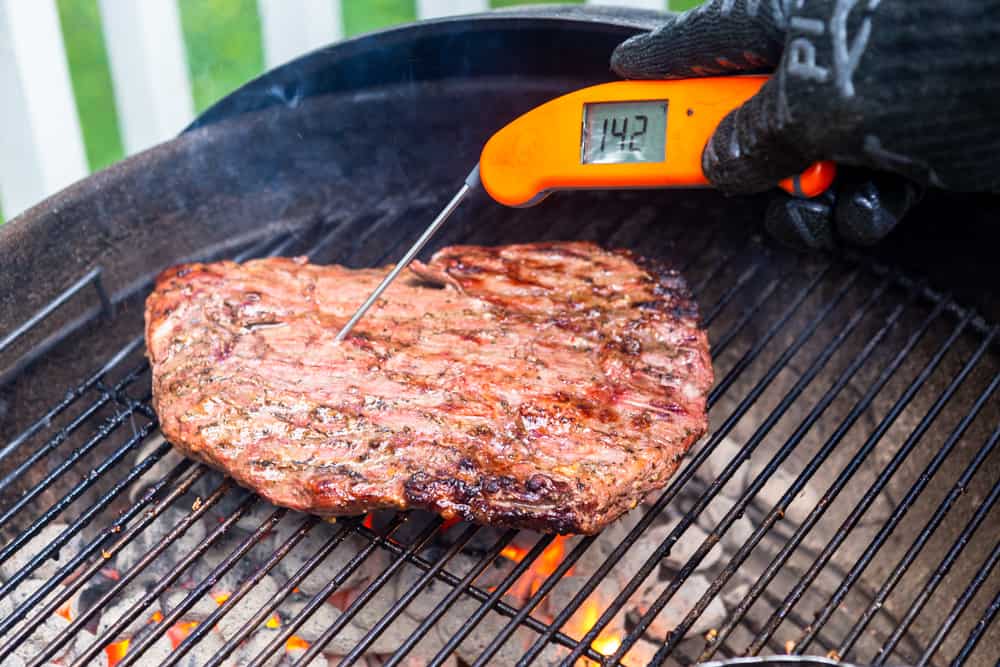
(626, 134)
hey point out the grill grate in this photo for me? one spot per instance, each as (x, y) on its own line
(843, 376)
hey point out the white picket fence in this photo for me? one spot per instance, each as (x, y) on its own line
(41, 147)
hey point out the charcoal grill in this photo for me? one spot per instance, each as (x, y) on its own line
(843, 505)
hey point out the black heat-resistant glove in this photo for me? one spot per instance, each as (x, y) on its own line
(907, 88)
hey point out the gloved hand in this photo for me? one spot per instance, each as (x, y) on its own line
(907, 91)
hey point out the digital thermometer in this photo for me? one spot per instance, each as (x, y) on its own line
(627, 134)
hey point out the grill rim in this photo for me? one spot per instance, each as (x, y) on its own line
(917, 292)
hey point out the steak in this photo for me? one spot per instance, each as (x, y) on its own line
(548, 386)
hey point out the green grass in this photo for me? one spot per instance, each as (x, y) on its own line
(361, 16)
(224, 51)
(88, 70)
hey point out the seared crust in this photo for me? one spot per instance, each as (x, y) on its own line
(547, 386)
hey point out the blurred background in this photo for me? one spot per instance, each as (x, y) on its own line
(89, 81)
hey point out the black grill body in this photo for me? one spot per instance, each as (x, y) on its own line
(854, 421)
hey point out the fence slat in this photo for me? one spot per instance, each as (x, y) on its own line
(148, 69)
(640, 4)
(294, 27)
(41, 148)
(429, 9)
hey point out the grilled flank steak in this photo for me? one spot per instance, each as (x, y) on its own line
(547, 386)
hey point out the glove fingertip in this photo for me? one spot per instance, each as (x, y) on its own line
(800, 223)
(650, 55)
(867, 212)
(748, 151)
(732, 159)
(624, 57)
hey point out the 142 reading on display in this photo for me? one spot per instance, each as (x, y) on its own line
(615, 132)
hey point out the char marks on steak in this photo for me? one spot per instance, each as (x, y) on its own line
(546, 386)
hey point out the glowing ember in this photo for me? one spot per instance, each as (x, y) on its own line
(116, 652)
(514, 553)
(448, 523)
(66, 611)
(607, 645)
(546, 563)
(180, 631)
(274, 622)
(369, 522)
(111, 573)
(220, 598)
(156, 617)
(296, 643)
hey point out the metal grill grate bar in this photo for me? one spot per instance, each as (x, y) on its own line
(977, 632)
(164, 582)
(374, 587)
(91, 277)
(345, 529)
(942, 569)
(918, 544)
(890, 525)
(244, 588)
(72, 396)
(205, 585)
(811, 468)
(754, 488)
(442, 607)
(684, 475)
(795, 595)
(183, 484)
(103, 432)
(404, 601)
(963, 601)
(664, 549)
(534, 600)
(321, 597)
(731, 293)
(484, 608)
(765, 428)
(83, 520)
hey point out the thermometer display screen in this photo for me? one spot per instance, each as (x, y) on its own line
(615, 132)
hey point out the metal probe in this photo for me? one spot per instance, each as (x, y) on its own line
(471, 181)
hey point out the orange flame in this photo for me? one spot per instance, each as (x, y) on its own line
(156, 617)
(546, 563)
(180, 631)
(274, 622)
(514, 553)
(607, 645)
(608, 641)
(116, 652)
(296, 643)
(66, 610)
(220, 598)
